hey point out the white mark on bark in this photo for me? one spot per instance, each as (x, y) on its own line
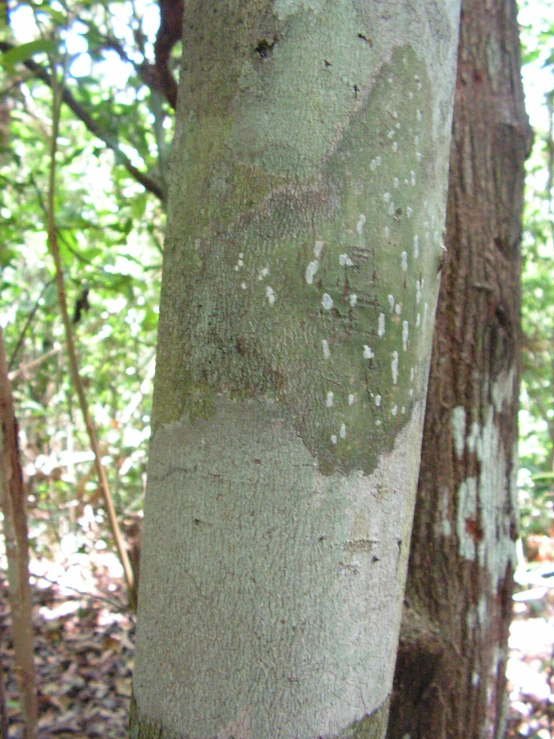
(345, 261)
(394, 410)
(398, 309)
(404, 261)
(311, 269)
(329, 401)
(270, 295)
(458, 423)
(317, 248)
(377, 400)
(394, 367)
(368, 353)
(326, 350)
(413, 177)
(351, 399)
(391, 303)
(416, 246)
(381, 325)
(342, 431)
(353, 299)
(405, 335)
(360, 225)
(327, 301)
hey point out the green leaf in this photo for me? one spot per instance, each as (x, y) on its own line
(24, 51)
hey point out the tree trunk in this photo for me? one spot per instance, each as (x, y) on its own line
(300, 278)
(450, 675)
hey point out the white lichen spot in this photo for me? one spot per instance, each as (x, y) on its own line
(240, 263)
(386, 232)
(398, 309)
(475, 679)
(391, 134)
(334, 438)
(396, 182)
(394, 410)
(411, 95)
(458, 423)
(411, 392)
(243, 285)
(418, 320)
(404, 261)
(241, 255)
(412, 177)
(378, 422)
(345, 261)
(416, 139)
(467, 510)
(311, 269)
(351, 399)
(373, 164)
(409, 211)
(326, 350)
(377, 400)
(405, 335)
(394, 114)
(418, 156)
(419, 116)
(317, 248)
(419, 286)
(270, 295)
(353, 298)
(412, 374)
(394, 367)
(378, 161)
(263, 273)
(390, 80)
(381, 325)
(391, 303)
(368, 354)
(416, 246)
(386, 197)
(342, 431)
(395, 146)
(327, 301)
(391, 208)
(329, 400)
(236, 268)
(473, 437)
(360, 224)
(403, 410)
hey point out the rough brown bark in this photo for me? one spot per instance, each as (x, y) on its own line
(450, 674)
(12, 501)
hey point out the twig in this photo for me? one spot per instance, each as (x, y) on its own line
(71, 350)
(118, 606)
(27, 324)
(93, 126)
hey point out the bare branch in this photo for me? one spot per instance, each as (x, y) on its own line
(93, 126)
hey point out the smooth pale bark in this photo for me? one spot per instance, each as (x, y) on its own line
(450, 679)
(300, 277)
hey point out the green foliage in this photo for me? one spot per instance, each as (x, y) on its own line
(110, 235)
(537, 396)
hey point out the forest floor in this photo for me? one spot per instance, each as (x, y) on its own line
(84, 649)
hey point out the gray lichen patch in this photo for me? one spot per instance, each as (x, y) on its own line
(322, 295)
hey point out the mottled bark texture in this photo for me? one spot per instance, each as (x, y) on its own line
(304, 241)
(450, 674)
